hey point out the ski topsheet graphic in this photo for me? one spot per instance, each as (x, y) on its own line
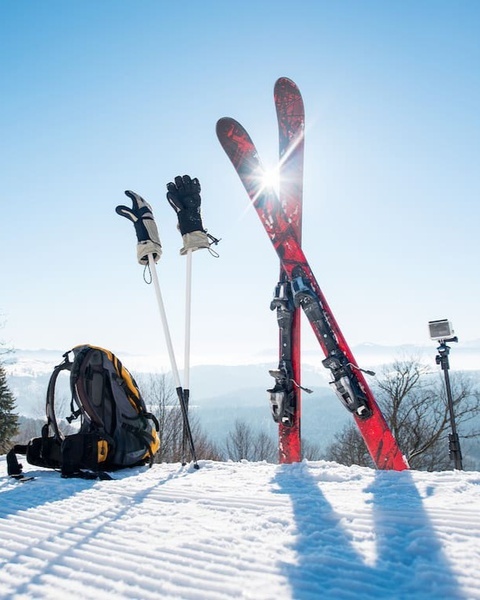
(285, 396)
(347, 378)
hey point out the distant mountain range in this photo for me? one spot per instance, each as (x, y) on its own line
(220, 394)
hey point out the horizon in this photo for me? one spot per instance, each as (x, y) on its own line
(462, 358)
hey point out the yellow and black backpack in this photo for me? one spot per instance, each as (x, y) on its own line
(116, 430)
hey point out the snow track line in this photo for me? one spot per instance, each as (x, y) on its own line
(242, 530)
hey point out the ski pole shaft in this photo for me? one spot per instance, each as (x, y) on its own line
(188, 315)
(168, 339)
(163, 316)
(186, 363)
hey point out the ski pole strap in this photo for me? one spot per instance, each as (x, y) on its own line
(147, 275)
(213, 241)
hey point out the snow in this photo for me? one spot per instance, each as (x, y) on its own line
(241, 530)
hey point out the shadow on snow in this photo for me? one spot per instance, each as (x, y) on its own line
(399, 542)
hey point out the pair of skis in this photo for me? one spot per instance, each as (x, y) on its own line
(298, 288)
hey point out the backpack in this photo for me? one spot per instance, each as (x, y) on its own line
(116, 430)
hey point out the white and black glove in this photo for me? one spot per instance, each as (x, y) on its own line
(145, 227)
(184, 197)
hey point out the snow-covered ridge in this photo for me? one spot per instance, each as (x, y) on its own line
(463, 356)
(241, 530)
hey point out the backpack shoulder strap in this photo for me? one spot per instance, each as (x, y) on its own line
(42, 451)
(87, 383)
(50, 400)
(123, 376)
(132, 391)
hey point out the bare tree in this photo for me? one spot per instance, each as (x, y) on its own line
(161, 399)
(239, 442)
(415, 406)
(348, 448)
(264, 447)
(243, 443)
(28, 428)
(311, 450)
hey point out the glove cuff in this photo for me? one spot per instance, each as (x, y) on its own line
(148, 247)
(194, 241)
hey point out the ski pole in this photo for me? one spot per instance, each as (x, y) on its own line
(184, 197)
(149, 250)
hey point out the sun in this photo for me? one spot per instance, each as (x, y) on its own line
(270, 178)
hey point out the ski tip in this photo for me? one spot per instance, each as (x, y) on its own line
(285, 82)
(221, 123)
(226, 124)
(228, 128)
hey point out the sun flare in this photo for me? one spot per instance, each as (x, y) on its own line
(270, 178)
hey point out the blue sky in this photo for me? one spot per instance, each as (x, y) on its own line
(102, 96)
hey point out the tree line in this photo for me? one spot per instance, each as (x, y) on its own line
(412, 400)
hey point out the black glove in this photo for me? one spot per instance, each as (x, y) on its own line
(145, 227)
(184, 196)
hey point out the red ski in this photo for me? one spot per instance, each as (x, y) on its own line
(348, 381)
(286, 395)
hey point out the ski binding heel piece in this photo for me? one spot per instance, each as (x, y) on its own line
(282, 297)
(344, 385)
(282, 398)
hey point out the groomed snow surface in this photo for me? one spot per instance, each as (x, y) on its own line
(241, 530)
